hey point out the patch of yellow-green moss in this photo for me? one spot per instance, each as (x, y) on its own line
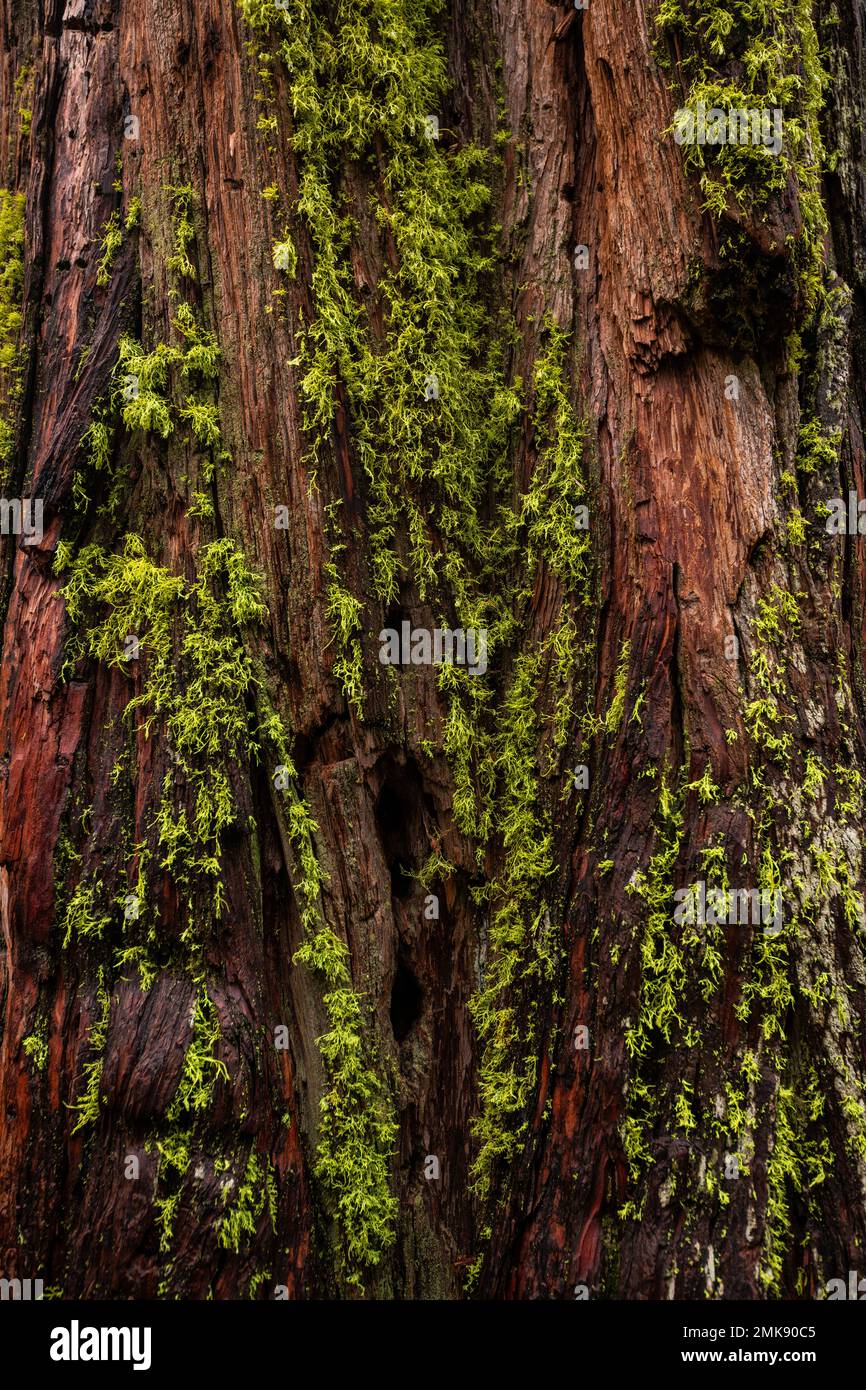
(12, 208)
(747, 55)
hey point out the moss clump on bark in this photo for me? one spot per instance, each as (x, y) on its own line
(88, 1104)
(112, 239)
(491, 742)
(12, 209)
(357, 1127)
(806, 868)
(256, 1194)
(362, 84)
(182, 199)
(748, 55)
(196, 690)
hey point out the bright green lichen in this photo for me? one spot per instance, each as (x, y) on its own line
(145, 378)
(203, 420)
(202, 1069)
(200, 355)
(708, 792)
(285, 257)
(112, 239)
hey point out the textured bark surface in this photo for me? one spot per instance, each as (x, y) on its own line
(614, 1175)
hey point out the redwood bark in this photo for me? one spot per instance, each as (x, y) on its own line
(687, 531)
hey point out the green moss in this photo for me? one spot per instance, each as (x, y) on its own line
(777, 623)
(616, 709)
(179, 262)
(83, 918)
(363, 81)
(547, 509)
(357, 1129)
(12, 209)
(255, 1195)
(663, 963)
(817, 449)
(520, 943)
(799, 1161)
(202, 1069)
(88, 1104)
(36, 1046)
(133, 215)
(345, 617)
(434, 869)
(110, 244)
(174, 1159)
(196, 692)
(146, 389)
(755, 54)
(424, 379)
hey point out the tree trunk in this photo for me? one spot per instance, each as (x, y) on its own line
(331, 968)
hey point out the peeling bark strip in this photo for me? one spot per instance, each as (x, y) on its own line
(540, 975)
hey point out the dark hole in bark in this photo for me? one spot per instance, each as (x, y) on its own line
(401, 883)
(393, 621)
(396, 816)
(406, 1000)
(304, 751)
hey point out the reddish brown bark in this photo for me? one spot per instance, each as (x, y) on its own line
(686, 535)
